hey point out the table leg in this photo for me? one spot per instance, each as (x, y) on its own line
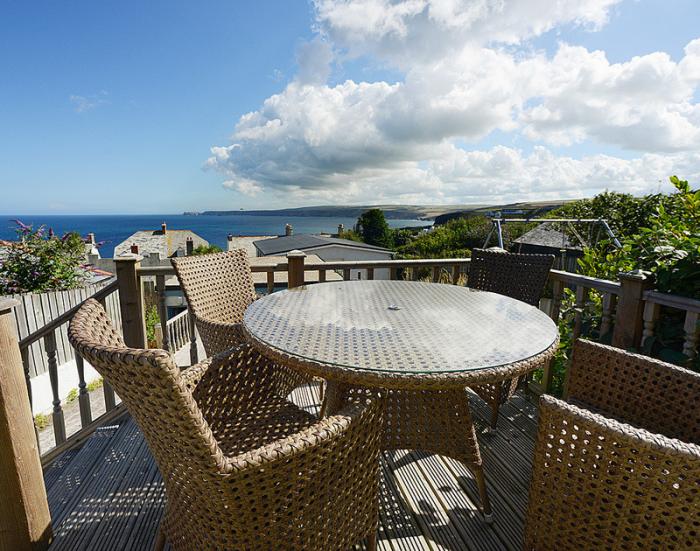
(436, 421)
(335, 396)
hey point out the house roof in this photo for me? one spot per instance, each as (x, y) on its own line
(260, 278)
(166, 244)
(286, 243)
(546, 236)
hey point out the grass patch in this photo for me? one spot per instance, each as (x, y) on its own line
(41, 421)
(94, 385)
(72, 396)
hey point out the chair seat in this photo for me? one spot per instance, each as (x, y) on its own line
(259, 424)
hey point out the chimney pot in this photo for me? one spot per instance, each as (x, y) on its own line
(341, 228)
(91, 238)
(164, 227)
(134, 249)
(189, 246)
(288, 230)
(229, 237)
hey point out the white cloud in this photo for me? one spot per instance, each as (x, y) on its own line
(82, 104)
(381, 142)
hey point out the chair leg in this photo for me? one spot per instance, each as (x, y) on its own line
(485, 503)
(372, 541)
(160, 539)
(494, 416)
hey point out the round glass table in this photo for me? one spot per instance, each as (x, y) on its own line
(422, 343)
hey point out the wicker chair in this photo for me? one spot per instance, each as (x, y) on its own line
(218, 288)
(519, 276)
(243, 467)
(617, 466)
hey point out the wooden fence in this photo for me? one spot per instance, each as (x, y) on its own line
(37, 310)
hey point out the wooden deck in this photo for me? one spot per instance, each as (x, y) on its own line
(109, 494)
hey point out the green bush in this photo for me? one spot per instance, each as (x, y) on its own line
(40, 261)
(206, 249)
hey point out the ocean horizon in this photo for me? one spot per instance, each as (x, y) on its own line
(112, 229)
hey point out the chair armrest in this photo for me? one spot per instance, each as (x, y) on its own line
(191, 376)
(636, 389)
(325, 475)
(597, 482)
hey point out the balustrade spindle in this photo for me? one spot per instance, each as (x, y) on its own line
(346, 274)
(83, 394)
(436, 274)
(455, 274)
(270, 282)
(692, 332)
(581, 298)
(370, 273)
(59, 425)
(163, 310)
(322, 276)
(194, 354)
(652, 311)
(393, 273)
(557, 294)
(608, 304)
(110, 398)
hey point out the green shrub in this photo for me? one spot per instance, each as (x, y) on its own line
(40, 261)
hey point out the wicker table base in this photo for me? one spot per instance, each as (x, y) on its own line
(434, 421)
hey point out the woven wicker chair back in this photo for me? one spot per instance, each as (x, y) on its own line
(218, 287)
(638, 390)
(149, 384)
(519, 276)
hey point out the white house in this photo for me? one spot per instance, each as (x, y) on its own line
(329, 249)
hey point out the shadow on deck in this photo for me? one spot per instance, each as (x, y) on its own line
(109, 494)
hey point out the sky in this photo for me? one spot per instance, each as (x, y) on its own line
(163, 107)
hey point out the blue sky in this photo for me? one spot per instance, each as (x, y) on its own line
(110, 107)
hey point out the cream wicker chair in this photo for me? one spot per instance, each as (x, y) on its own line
(218, 288)
(519, 276)
(243, 467)
(617, 466)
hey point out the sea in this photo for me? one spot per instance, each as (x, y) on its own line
(113, 229)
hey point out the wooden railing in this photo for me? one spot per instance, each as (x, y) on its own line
(48, 334)
(629, 313)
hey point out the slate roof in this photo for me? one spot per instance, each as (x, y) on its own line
(286, 243)
(546, 236)
(170, 243)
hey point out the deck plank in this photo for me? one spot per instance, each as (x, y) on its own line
(109, 494)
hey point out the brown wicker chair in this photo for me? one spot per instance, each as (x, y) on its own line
(618, 465)
(519, 276)
(218, 288)
(243, 467)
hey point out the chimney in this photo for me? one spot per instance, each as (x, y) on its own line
(91, 238)
(229, 237)
(189, 246)
(341, 229)
(288, 230)
(164, 227)
(134, 249)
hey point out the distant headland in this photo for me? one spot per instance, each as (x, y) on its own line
(404, 212)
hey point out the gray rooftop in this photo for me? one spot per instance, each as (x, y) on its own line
(170, 243)
(286, 243)
(545, 235)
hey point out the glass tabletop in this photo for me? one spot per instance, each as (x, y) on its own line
(400, 326)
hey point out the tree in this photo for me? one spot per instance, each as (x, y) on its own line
(374, 229)
(206, 249)
(39, 261)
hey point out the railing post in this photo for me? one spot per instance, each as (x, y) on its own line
(130, 301)
(691, 327)
(24, 509)
(629, 317)
(83, 394)
(295, 269)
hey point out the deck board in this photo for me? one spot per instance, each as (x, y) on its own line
(109, 494)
